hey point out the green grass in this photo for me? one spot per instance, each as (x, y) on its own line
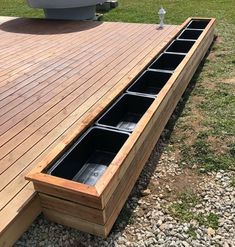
(182, 209)
(233, 182)
(192, 232)
(203, 155)
(142, 11)
(214, 146)
(216, 106)
(18, 8)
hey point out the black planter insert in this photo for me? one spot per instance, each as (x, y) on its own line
(198, 24)
(180, 46)
(88, 158)
(190, 34)
(126, 112)
(167, 61)
(150, 82)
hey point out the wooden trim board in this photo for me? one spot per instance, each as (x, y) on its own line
(101, 204)
(21, 222)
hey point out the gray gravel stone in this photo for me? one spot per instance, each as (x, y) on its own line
(154, 226)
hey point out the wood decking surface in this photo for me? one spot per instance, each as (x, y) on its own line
(53, 77)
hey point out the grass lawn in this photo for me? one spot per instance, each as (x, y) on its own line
(204, 132)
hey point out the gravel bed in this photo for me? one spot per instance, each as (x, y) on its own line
(145, 221)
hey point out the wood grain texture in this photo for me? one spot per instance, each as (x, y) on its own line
(53, 81)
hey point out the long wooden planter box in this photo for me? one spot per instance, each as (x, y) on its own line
(94, 209)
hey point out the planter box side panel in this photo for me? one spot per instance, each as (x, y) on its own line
(75, 222)
(83, 199)
(63, 206)
(135, 168)
(182, 81)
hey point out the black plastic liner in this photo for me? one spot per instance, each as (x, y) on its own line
(87, 160)
(167, 62)
(190, 34)
(180, 46)
(150, 83)
(198, 24)
(126, 112)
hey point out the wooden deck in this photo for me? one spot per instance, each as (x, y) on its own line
(55, 77)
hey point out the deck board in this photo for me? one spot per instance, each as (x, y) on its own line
(54, 77)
